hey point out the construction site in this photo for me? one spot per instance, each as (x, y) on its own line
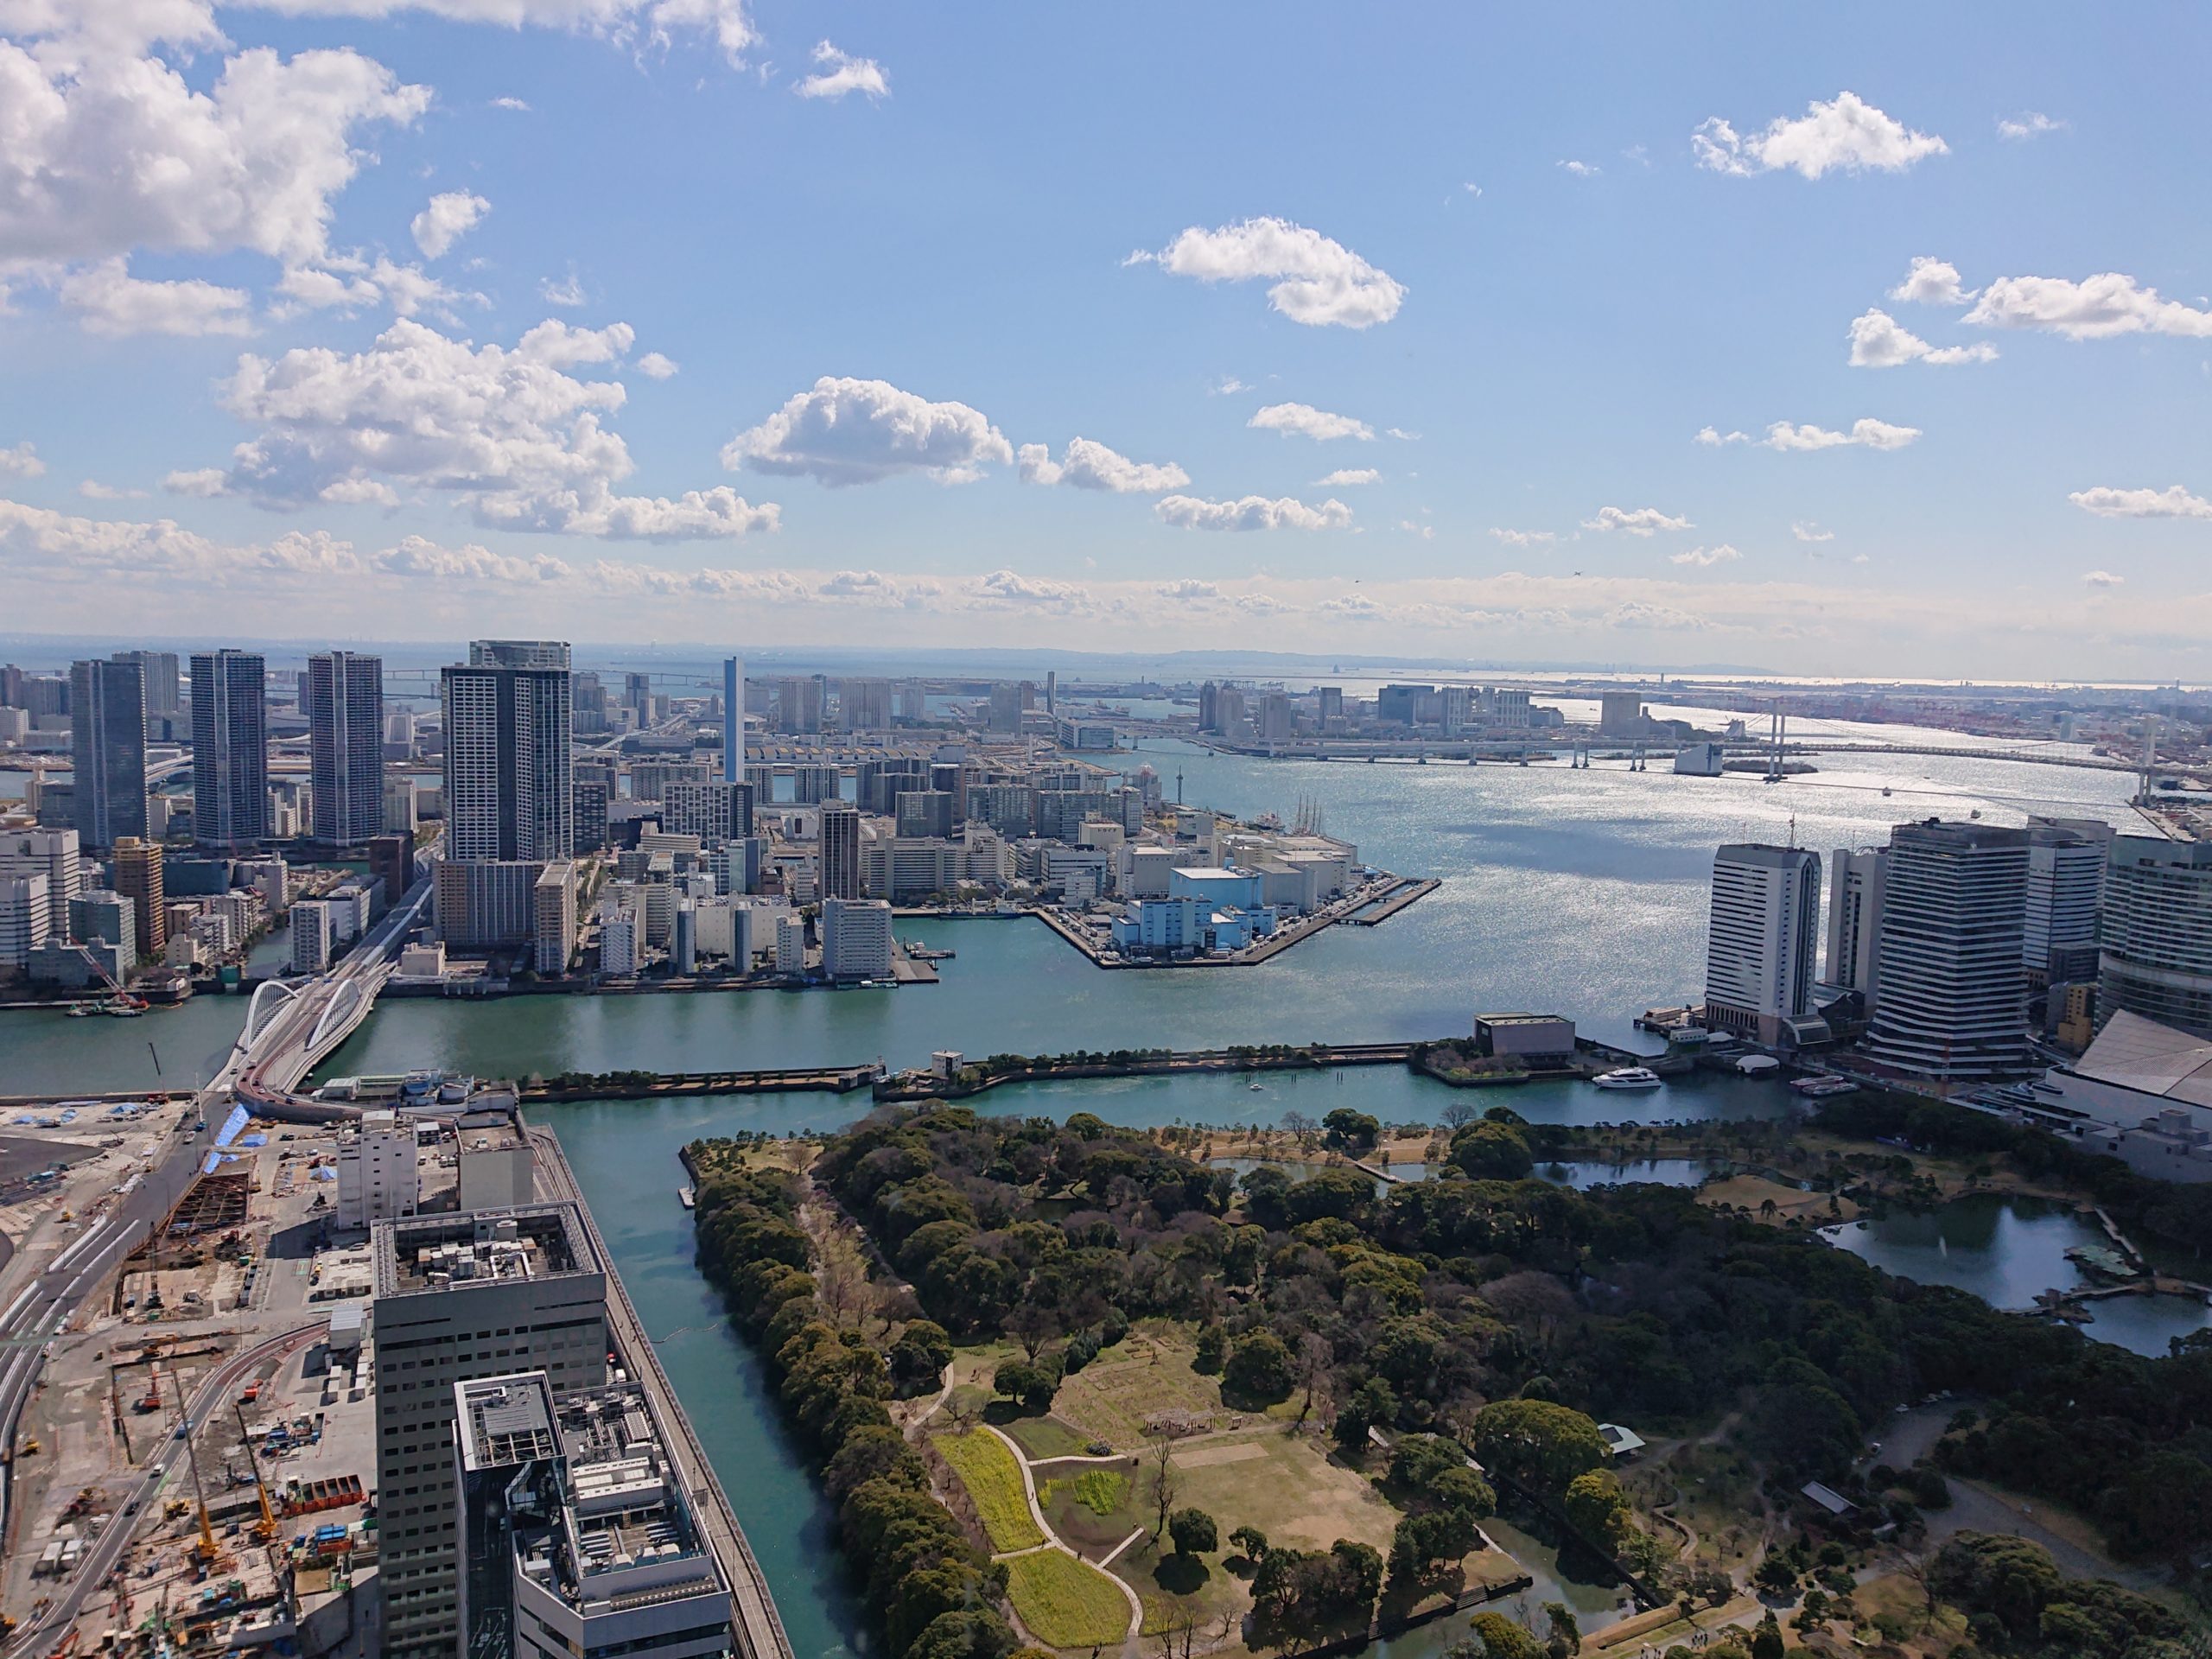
(200, 1448)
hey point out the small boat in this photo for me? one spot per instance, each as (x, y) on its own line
(1628, 1076)
(1254, 1087)
(688, 1196)
(83, 1010)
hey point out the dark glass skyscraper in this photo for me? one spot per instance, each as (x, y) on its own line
(107, 728)
(507, 720)
(343, 696)
(229, 747)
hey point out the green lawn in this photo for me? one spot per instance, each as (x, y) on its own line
(1046, 1437)
(1065, 1603)
(1092, 1506)
(988, 1470)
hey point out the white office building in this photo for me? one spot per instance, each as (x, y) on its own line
(1855, 888)
(315, 935)
(2157, 948)
(620, 949)
(855, 938)
(2066, 888)
(1763, 941)
(791, 944)
(52, 854)
(1952, 1001)
(379, 1175)
(460, 1297)
(25, 919)
(553, 931)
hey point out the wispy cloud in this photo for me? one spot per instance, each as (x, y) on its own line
(2173, 502)
(837, 74)
(2028, 123)
(1640, 521)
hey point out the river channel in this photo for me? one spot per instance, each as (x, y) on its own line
(1576, 891)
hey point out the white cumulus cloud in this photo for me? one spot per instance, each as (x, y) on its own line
(655, 366)
(840, 74)
(1640, 521)
(1524, 538)
(1344, 477)
(2028, 123)
(1581, 169)
(2102, 579)
(1806, 531)
(107, 148)
(1308, 422)
(1087, 465)
(1706, 557)
(2097, 307)
(1847, 134)
(450, 216)
(1315, 280)
(1878, 341)
(1252, 512)
(847, 431)
(22, 461)
(1932, 282)
(109, 301)
(510, 431)
(2174, 502)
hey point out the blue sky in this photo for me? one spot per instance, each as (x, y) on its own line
(945, 238)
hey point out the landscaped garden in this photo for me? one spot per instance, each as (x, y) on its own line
(988, 1470)
(1064, 1602)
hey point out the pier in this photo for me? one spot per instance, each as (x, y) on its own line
(1371, 905)
(638, 1086)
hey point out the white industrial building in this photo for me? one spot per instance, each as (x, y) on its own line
(379, 1178)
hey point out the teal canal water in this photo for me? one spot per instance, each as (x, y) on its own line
(1577, 892)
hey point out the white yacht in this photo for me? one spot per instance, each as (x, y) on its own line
(1629, 1077)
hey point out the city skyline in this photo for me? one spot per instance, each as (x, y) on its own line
(1539, 341)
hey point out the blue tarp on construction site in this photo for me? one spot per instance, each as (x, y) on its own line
(253, 1141)
(326, 1175)
(213, 1159)
(236, 1122)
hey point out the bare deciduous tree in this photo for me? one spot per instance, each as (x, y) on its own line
(1167, 1483)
